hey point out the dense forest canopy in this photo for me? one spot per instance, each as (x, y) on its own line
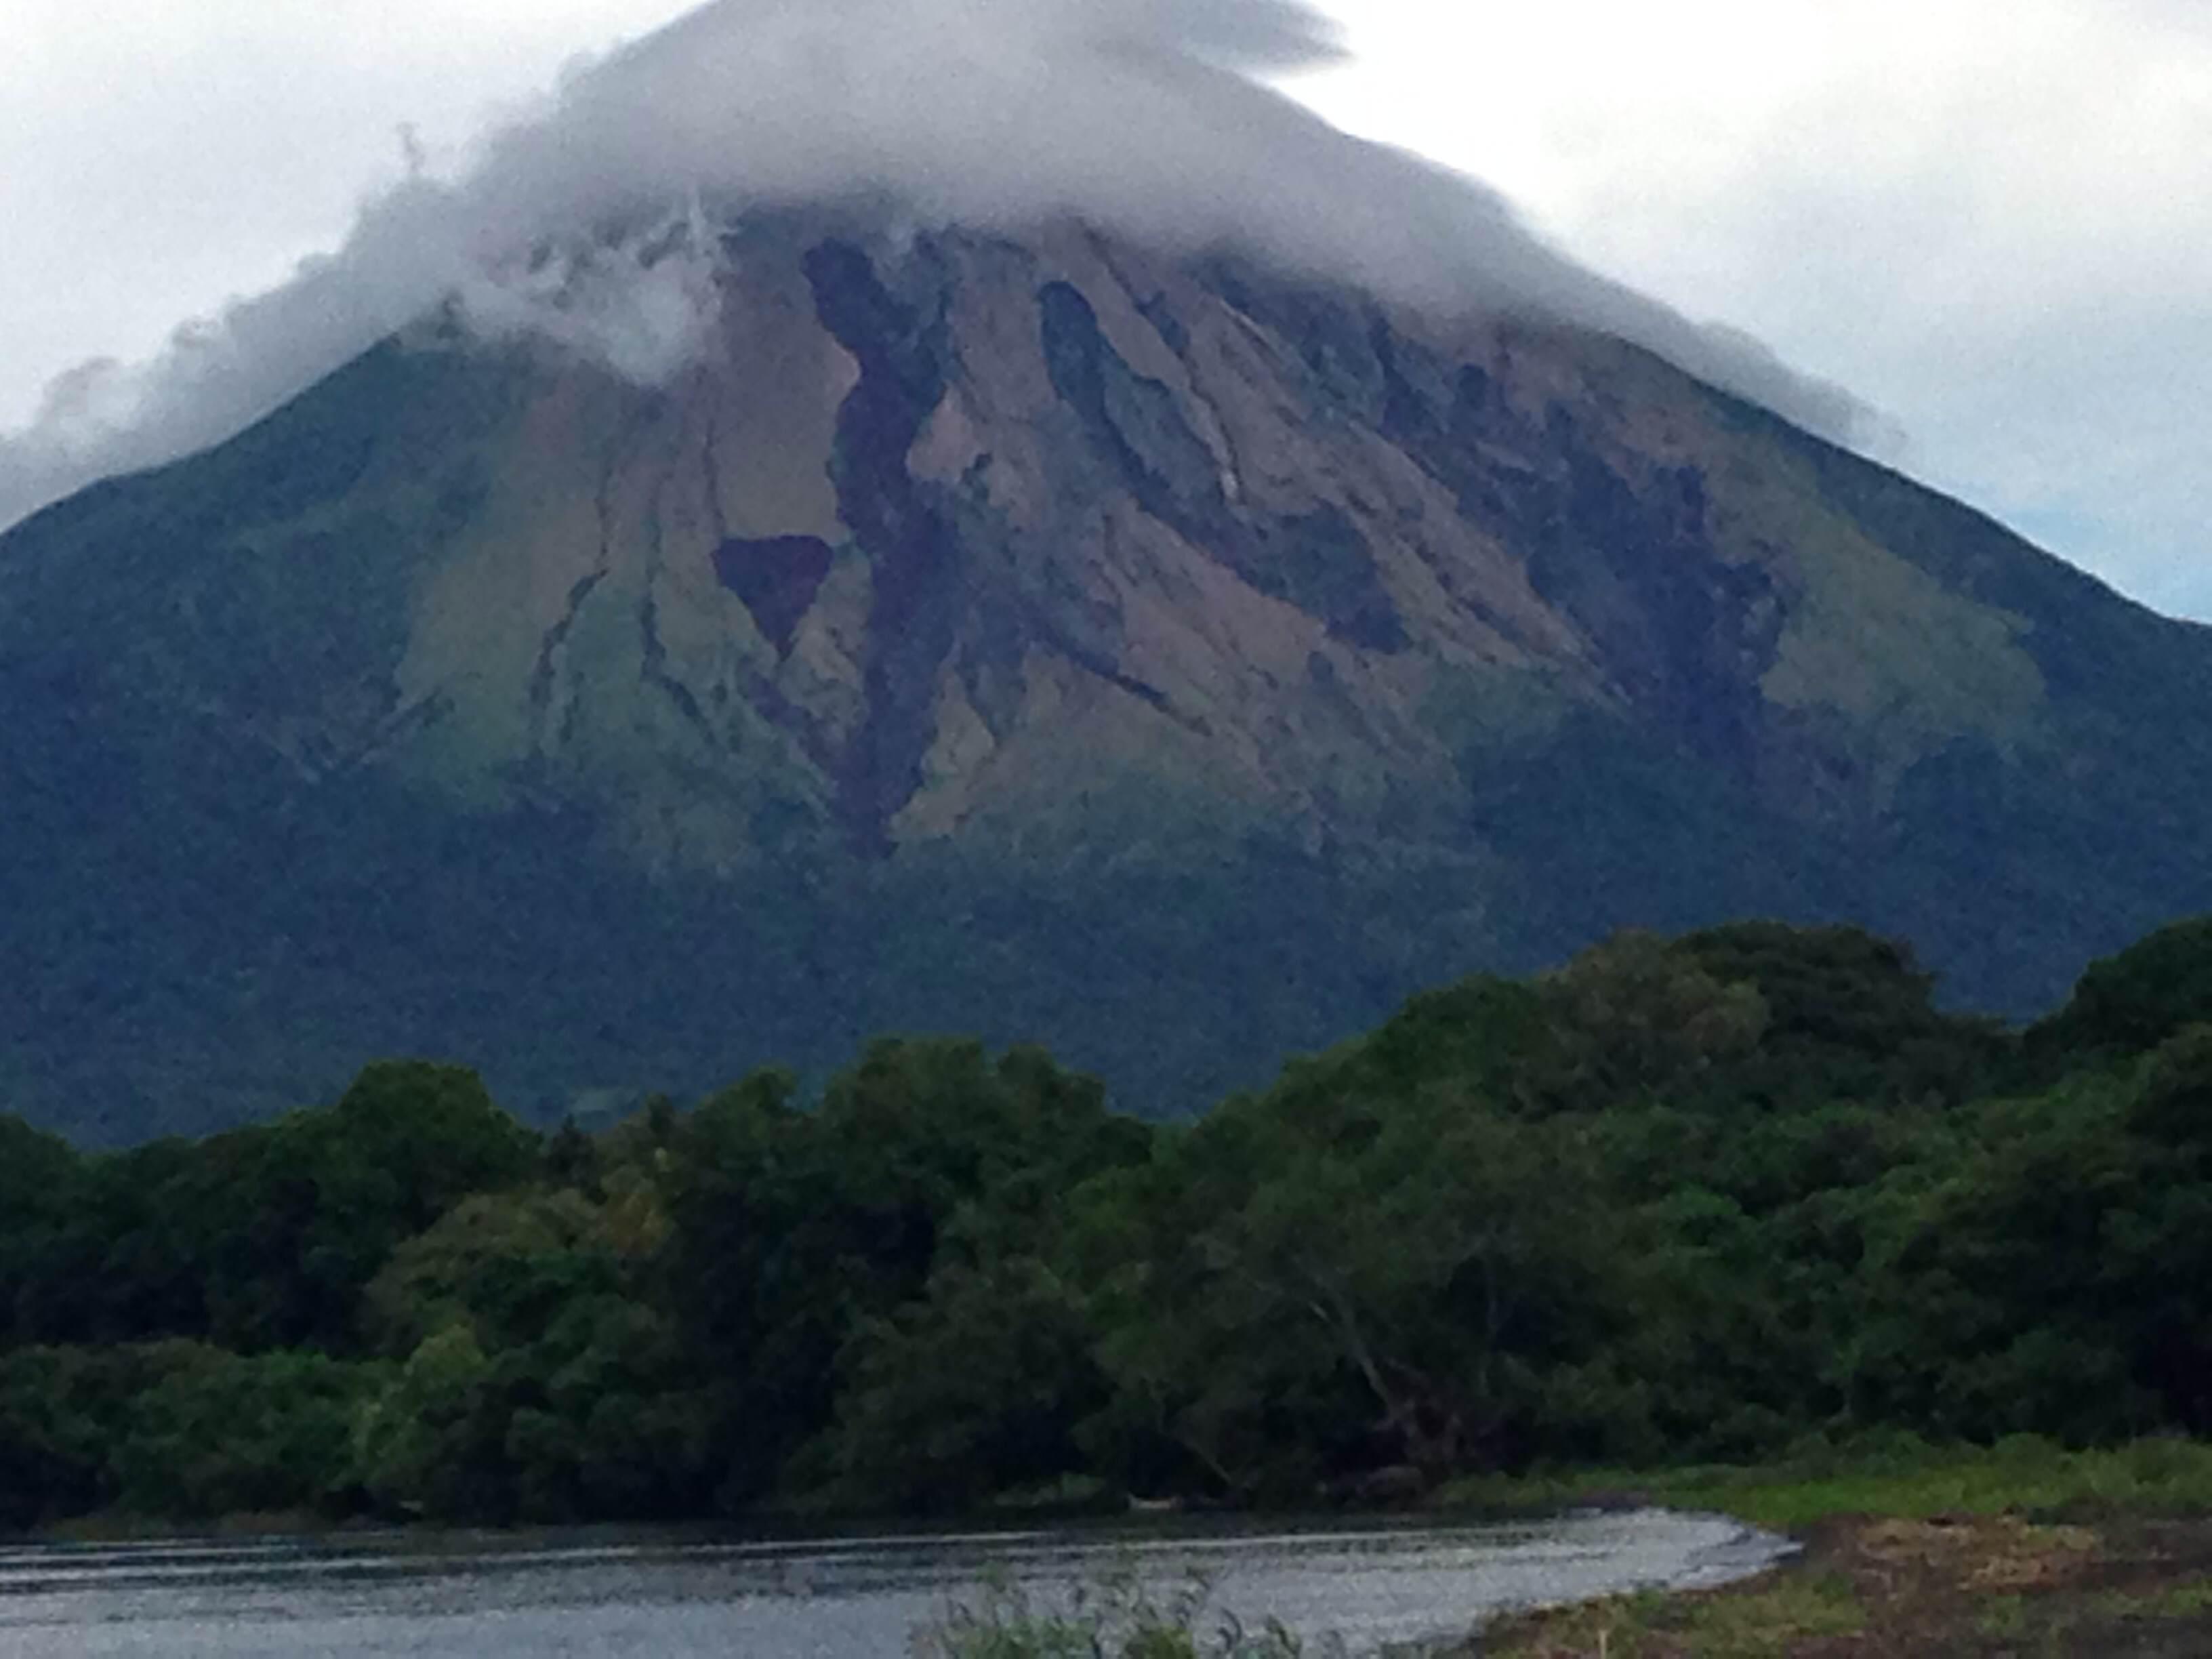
(1703, 1197)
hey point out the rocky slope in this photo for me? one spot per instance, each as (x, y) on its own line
(1170, 661)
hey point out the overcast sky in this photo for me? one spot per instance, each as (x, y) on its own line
(1991, 218)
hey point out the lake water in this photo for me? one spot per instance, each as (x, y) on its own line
(610, 1597)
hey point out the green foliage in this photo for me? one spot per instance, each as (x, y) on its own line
(795, 1232)
(973, 1389)
(1848, 1016)
(1719, 1198)
(1643, 1018)
(1317, 1283)
(428, 1134)
(215, 1434)
(427, 1444)
(60, 1410)
(259, 1238)
(2129, 1003)
(505, 1264)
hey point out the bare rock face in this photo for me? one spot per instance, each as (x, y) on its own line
(1167, 659)
(946, 530)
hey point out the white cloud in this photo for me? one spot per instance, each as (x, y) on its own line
(1135, 114)
(160, 157)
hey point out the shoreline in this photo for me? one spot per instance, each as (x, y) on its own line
(1972, 1588)
(2022, 1549)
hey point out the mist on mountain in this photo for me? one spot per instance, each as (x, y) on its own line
(585, 220)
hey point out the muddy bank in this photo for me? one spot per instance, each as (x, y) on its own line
(2113, 1587)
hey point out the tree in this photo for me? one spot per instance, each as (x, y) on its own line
(217, 1434)
(2131, 1002)
(1323, 1291)
(429, 1444)
(973, 1389)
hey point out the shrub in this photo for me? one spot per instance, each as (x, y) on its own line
(1114, 1616)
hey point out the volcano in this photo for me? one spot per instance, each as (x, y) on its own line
(1162, 653)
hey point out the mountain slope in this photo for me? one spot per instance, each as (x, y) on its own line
(1167, 659)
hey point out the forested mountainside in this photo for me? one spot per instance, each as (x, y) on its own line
(1170, 661)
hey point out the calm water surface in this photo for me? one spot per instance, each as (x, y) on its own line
(656, 1598)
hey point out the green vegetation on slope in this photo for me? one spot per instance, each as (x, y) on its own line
(1686, 1201)
(1178, 665)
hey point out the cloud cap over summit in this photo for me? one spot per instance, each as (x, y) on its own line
(1142, 116)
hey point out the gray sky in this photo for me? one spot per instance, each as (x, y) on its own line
(1989, 219)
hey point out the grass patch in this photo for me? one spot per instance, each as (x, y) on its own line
(2006, 1617)
(1902, 1480)
(2187, 1601)
(1787, 1609)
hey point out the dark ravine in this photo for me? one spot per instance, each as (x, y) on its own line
(911, 553)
